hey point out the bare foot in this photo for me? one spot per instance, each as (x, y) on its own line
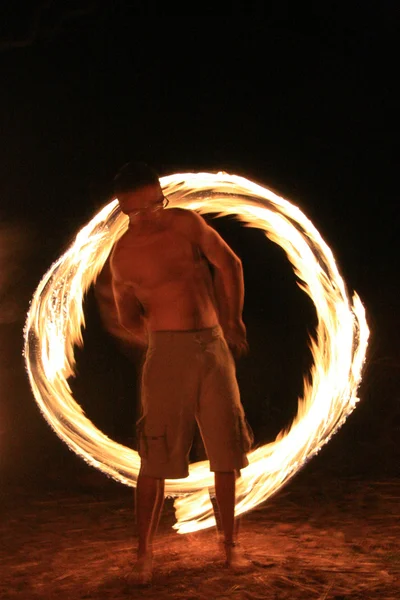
(142, 571)
(235, 558)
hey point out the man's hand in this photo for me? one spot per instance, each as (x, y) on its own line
(235, 335)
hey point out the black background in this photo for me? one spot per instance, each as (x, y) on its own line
(305, 104)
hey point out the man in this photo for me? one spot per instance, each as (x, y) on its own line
(190, 321)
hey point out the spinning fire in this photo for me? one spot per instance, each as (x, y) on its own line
(55, 320)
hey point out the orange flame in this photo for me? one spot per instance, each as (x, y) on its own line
(56, 318)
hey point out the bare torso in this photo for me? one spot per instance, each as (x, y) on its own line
(169, 276)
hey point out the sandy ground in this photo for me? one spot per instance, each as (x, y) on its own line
(333, 539)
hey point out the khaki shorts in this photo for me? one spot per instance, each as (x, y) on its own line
(190, 376)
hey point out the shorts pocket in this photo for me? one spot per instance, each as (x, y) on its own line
(152, 443)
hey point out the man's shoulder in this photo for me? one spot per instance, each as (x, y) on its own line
(188, 223)
(184, 218)
(120, 242)
(177, 213)
(118, 251)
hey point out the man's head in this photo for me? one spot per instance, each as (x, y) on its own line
(138, 189)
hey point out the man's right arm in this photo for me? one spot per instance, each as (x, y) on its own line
(104, 295)
(129, 311)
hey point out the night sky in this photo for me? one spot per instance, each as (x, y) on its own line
(306, 105)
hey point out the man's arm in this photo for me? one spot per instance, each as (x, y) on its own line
(129, 311)
(228, 280)
(103, 291)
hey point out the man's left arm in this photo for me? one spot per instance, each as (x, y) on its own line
(228, 281)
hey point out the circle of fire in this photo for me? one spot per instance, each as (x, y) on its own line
(56, 318)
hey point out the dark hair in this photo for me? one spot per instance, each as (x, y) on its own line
(134, 175)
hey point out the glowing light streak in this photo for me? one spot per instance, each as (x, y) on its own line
(56, 318)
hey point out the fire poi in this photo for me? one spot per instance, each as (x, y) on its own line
(55, 320)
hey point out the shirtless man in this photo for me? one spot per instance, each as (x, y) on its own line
(190, 323)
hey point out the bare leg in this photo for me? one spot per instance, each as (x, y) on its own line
(157, 510)
(149, 502)
(225, 494)
(216, 512)
(225, 486)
